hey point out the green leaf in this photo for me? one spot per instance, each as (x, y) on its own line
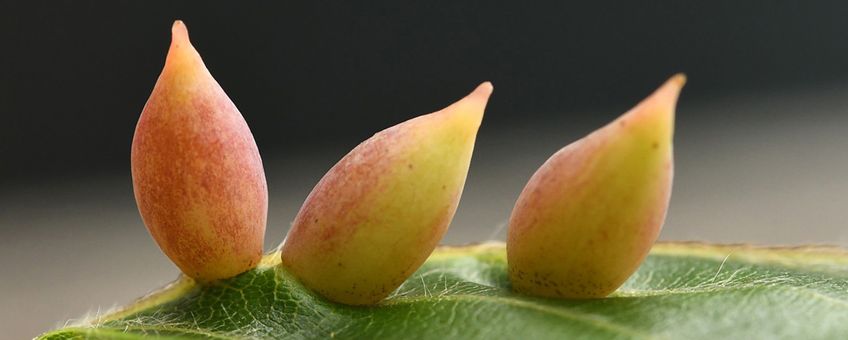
(683, 290)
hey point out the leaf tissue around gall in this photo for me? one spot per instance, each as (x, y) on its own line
(463, 293)
(588, 217)
(374, 218)
(197, 174)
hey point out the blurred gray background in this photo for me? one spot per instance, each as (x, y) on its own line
(760, 145)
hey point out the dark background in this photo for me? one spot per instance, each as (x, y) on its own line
(761, 142)
(75, 74)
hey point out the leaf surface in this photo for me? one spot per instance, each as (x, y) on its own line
(683, 290)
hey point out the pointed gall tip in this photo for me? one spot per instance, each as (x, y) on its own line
(665, 96)
(483, 91)
(678, 79)
(671, 88)
(659, 107)
(478, 99)
(472, 105)
(181, 54)
(179, 32)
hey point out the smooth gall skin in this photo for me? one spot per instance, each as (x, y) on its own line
(588, 217)
(376, 216)
(197, 175)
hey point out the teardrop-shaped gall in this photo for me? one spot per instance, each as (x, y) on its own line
(376, 216)
(588, 217)
(197, 175)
